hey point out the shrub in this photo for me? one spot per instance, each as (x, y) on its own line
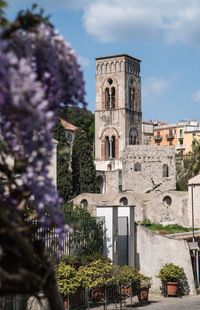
(67, 279)
(171, 273)
(125, 274)
(145, 281)
(97, 273)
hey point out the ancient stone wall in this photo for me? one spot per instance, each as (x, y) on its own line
(148, 168)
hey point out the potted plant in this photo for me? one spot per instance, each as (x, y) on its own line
(94, 277)
(145, 284)
(128, 279)
(172, 277)
(69, 285)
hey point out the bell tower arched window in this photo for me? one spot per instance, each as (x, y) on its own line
(109, 94)
(131, 94)
(107, 98)
(107, 147)
(113, 97)
(133, 136)
(113, 147)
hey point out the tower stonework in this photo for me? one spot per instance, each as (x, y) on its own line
(118, 116)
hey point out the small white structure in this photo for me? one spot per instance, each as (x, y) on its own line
(120, 233)
(194, 201)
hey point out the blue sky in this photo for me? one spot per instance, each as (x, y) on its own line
(164, 34)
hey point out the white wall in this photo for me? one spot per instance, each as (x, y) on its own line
(154, 250)
(108, 214)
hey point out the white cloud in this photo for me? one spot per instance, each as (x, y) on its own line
(155, 86)
(84, 62)
(196, 96)
(114, 20)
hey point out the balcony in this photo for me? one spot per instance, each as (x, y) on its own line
(157, 138)
(170, 136)
(180, 146)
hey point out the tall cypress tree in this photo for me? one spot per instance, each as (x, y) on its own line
(64, 177)
(83, 175)
(3, 19)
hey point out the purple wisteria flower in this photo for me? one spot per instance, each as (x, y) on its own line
(38, 72)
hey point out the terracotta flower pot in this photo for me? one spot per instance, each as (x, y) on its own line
(143, 294)
(172, 288)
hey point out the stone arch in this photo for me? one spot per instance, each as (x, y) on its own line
(117, 66)
(123, 201)
(110, 144)
(133, 136)
(109, 93)
(84, 203)
(112, 67)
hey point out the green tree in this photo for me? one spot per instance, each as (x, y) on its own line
(88, 231)
(64, 176)
(190, 167)
(84, 174)
(81, 118)
(3, 19)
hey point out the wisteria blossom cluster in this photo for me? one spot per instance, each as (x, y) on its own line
(38, 73)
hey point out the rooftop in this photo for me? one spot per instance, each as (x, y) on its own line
(120, 55)
(67, 125)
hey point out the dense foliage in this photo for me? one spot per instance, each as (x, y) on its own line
(38, 71)
(88, 231)
(64, 176)
(3, 19)
(84, 120)
(67, 279)
(171, 272)
(190, 166)
(83, 168)
(98, 273)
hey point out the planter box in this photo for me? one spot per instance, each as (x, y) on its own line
(74, 301)
(172, 289)
(143, 294)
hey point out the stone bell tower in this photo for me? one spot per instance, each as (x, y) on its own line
(118, 116)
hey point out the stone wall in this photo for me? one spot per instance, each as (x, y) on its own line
(154, 251)
(169, 207)
(143, 168)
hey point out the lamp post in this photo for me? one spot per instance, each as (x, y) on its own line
(192, 185)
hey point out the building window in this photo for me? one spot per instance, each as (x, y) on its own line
(137, 167)
(165, 171)
(100, 183)
(109, 167)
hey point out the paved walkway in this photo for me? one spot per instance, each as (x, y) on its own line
(158, 302)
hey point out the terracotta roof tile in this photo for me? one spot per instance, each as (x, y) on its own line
(67, 125)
